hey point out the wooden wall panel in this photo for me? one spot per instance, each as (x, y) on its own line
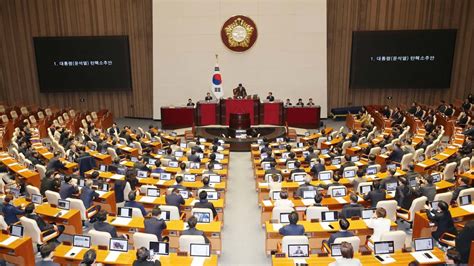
(346, 16)
(21, 20)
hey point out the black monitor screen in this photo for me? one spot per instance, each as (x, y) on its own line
(402, 59)
(89, 63)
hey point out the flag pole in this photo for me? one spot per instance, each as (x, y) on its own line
(217, 58)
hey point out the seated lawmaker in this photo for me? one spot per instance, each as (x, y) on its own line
(103, 226)
(42, 224)
(379, 223)
(288, 103)
(193, 157)
(175, 198)
(270, 97)
(292, 229)
(347, 252)
(143, 258)
(463, 241)
(9, 211)
(310, 102)
(376, 195)
(443, 220)
(190, 103)
(67, 189)
(284, 201)
(305, 187)
(192, 222)
(204, 203)
(131, 203)
(208, 97)
(300, 103)
(155, 224)
(353, 208)
(344, 224)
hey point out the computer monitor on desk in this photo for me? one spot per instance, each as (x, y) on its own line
(384, 247)
(81, 241)
(159, 248)
(118, 244)
(329, 216)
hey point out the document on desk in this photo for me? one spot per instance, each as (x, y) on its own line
(160, 182)
(73, 252)
(421, 257)
(23, 170)
(198, 261)
(299, 261)
(468, 208)
(12, 164)
(261, 184)
(117, 177)
(445, 154)
(121, 221)
(340, 200)
(386, 259)
(267, 203)
(9, 240)
(147, 199)
(325, 226)
(112, 256)
(101, 193)
(308, 202)
(276, 227)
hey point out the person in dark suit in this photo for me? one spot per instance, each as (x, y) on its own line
(288, 103)
(311, 155)
(114, 129)
(353, 208)
(9, 211)
(428, 189)
(467, 147)
(240, 91)
(375, 195)
(103, 226)
(442, 106)
(46, 252)
(67, 189)
(179, 180)
(55, 164)
(204, 203)
(412, 108)
(190, 103)
(119, 186)
(310, 102)
(442, 219)
(49, 182)
(344, 224)
(269, 157)
(193, 157)
(88, 195)
(405, 194)
(174, 199)
(463, 241)
(266, 147)
(89, 258)
(348, 162)
(450, 110)
(42, 225)
(208, 97)
(131, 203)
(461, 185)
(155, 225)
(300, 103)
(192, 222)
(270, 97)
(386, 111)
(317, 167)
(390, 179)
(143, 258)
(292, 229)
(205, 183)
(273, 170)
(397, 153)
(419, 112)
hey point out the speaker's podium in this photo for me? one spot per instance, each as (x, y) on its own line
(249, 105)
(239, 124)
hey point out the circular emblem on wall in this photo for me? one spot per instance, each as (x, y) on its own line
(239, 33)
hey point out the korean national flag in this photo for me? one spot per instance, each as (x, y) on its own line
(217, 89)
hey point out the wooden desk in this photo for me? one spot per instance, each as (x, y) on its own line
(101, 158)
(125, 259)
(422, 226)
(435, 160)
(71, 221)
(19, 252)
(401, 259)
(316, 233)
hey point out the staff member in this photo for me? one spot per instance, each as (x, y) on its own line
(270, 97)
(240, 91)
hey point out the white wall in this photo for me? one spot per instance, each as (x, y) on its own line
(289, 57)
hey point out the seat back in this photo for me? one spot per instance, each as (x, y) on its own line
(390, 207)
(52, 197)
(406, 159)
(31, 229)
(320, 141)
(417, 205)
(448, 172)
(126, 190)
(280, 209)
(41, 170)
(138, 146)
(174, 211)
(354, 240)
(77, 204)
(3, 224)
(398, 238)
(464, 165)
(143, 240)
(429, 150)
(359, 186)
(346, 145)
(136, 212)
(185, 242)
(418, 153)
(464, 192)
(375, 150)
(293, 240)
(32, 190)
(112, 153)
(314, 212)
(206, 210)
(446, 197)
(99, 238)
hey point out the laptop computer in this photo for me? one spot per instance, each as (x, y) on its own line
(325, 175)
(159, 248)
(124, 212)
(436, 177)
(200, 250)
(103, 168)
(189, 178)
(365, 189)
(16, 230)
(309, 194)
(465, 200)
(383, 248)
(285, 217)
(142, 174)
(298, 250)
(37, 199)
(299, 177)
(153, 192)
(338, 192)
(202, 217)
(214, 179)
(212, 195)
(367, 213)
(336, 250)
(165, 176)
(424, 245)
(329, 216)
(81, 241)
(349, 173)
(371, 170)
(118, 244)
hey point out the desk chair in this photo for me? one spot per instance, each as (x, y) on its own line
(361, 140)
(165, 162)
(390, 207)
(346, 145)
(320, 141)
(464, 192)
(417, 154)
(429, 151)
(406, 160)
(471, 162)
(174, 212)
(113, 154)
(268, 177)
(136, 212)
(375, 151)
(99, 238)
(463, 165)
(292, 240)
(138, 146)
(416, 205)
(398, 238)
(123, 140)
(280, 209)
(126, 190)
(32, 190)
(314, 212)
(143, 240)
(78, 204)
(446, 197)
(3, 224)
(52, 197)
(353, 240)
(185, 242)
(448, 172)
(32, 230)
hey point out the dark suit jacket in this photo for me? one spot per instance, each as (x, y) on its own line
(375, 196)
(239, 92)
(339, 234)
(457, 190)
(444, 223)
(10, 212)
(106, 227)
(317, 168)
(396, 155)
(194, 158)
(88, 196)
(55, 164)
(47, 183)
(86, 163)
(195, 232)
(174, 200)
(292, 230)
(155, 226)
(350, 210)
(428, 191)
(40, 222)
(207, 205)
(67, 190)
(119, 186)
(112, 130)
(463, 242)
(138, 205)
